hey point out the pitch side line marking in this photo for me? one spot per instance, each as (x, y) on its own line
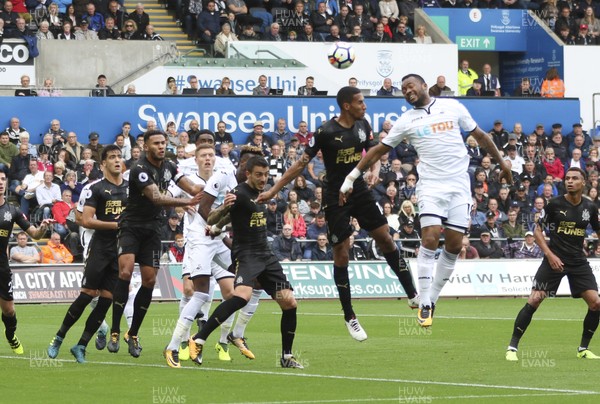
(333, 377)
(445, 317)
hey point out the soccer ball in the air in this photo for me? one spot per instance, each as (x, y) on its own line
(341, 55)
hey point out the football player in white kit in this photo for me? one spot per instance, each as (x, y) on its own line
(433, 127)
(205, 256)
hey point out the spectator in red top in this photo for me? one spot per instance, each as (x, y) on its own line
(60, 211)
(553, 165)
(303, 134)
(293, 217)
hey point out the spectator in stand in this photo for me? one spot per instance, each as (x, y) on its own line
(387, 89)
(440, 85)
(43, 163)
(19, 167)
(274, 219)
(499, 135)
(26, 190)
(136, 153)
(177, 250)
(282, 133)
(71, 15)
(95, 146)
(392, 218)
(9, 16)
(512, 228)
(477, 89)
(554, 167)
(59, 135)
(47, 194)
(466, 77)
(379, 35)
(490, 82)
(591, 10)
(293, 217)
(248, 34)
(73, 147)
(526, 249)
(88, 172)
(44, 32)
(194, 130)
(277, 164)
(334, 34)
(285, 246)
(409, 249)
(559, 145)
(313, 231)
(517, 161)
(262, 88)
(553, 86)
(491, 226)
(25, 89)
(225, 87)
(344, 22)
(389, 9)
(356, 252)
(498, 214)
(21, 31)
(208, 24)
(308, 89)
(22, 253)
(59, 173)
(321, 251)
(321, 20)
(356, 35)
(303, 135)
(130, 30)
(55, 252)
(362, 19)
(150, 35)
(60, 212)
(14, 130)
(48, 89)
(421, 35)
(486, 247)
(566, 19)
(315, 169)
(119, 16)
(274, 34)
(102, 89)
(401, 35)
(575, 161)
(170, 230)
(7, 151)
(524, 89)
(223, 39)
(109, 31)
(467, 251)
(67, 32)
(140, 17)
(95, 20)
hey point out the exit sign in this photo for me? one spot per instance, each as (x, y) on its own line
(476, 43)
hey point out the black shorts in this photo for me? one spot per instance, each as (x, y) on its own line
(266, 270)
(362, 206)
(101, 266)
(142, 242)
(6, 286)
(581, 278)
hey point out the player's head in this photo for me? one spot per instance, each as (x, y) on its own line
(205, 157)
(414, 90)
(257, 172)
(155, 144)
(575, 180)
(351, 102)
(112, 159)
(3, 176)
(246, 153)
(205, 136)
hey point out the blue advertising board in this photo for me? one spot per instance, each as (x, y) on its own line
(483, 30)
(106, 115)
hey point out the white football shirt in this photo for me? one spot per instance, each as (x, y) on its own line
(434, 131)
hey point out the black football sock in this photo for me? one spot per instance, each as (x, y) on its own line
(590, 324)
(141, 304)
(400, 268)
(220, 315)
(10, 325)
(73, 313)
(521, 323)
(120, 296)
(94, 320)
(342, 282)
(288, 330)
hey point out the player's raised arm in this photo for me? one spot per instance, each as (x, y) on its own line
(291, 174)
(485, 142)
(371, 158)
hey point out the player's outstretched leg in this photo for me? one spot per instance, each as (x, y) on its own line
(221, 313)
(73, 314)
(236, 337)
(92, 324)
(521, 323)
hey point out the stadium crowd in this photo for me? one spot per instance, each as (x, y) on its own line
(46, 180)
(216, 22)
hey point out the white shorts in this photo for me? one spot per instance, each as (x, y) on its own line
(207, 259)
(445, 202)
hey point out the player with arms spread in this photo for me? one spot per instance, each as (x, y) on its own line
(11, 215)
(139, 232)
(254, 262)
(565, 220)
(342, 141)
(104, 203)
(443, 191)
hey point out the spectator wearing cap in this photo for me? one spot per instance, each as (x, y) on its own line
(486, 247)
(258, 128)
(170, 229)
(526, 249)
(285, 246)
(467, 252)
(542, 136)
(521, 199)
(580, 139)
(257, 139)
(516, 161)
(477, 89)
(95, 146)
(409, 248)
(527, 182)
(499, 134)
(102, 89)
(480, 196)
(491, 225)
(560, 146)
(84, 33)
(583, 36)
(275, 217)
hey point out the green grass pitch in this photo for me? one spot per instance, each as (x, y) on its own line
(459, 359)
